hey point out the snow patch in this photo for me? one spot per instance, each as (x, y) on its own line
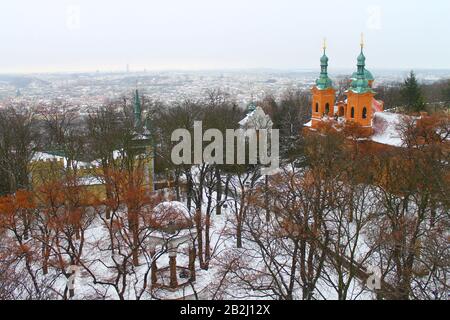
(386, 129)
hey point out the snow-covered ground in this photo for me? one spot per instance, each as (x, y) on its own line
(249, 272)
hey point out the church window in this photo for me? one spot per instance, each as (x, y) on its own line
(353, 113)
(364, 113)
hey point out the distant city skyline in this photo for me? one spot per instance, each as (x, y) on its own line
(85, 36)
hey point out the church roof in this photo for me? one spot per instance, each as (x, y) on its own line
(324, 82)
(361, 86)
(256, 119)
(367, 74)
(137, 109)
(386, 129)
(324, 59)
(360, 79)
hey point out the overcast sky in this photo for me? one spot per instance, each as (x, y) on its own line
(81, 35)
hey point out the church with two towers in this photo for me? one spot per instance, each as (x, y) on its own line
(360, 105)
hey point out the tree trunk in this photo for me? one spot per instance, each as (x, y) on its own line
(218, 193)
(154, 269)
(239, 234)
(45, 256)
(198, 223)
(192, 273)
(207, 241)
(177, 186)
(108, 189)
(134, 229)
(227, 185)
(189, 193)
(173, 272)
(266, 198)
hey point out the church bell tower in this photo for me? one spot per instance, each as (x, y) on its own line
(360, 95)
(323, 93)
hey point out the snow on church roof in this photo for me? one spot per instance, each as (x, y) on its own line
(386, 128)
(257, 119)
(386, 131)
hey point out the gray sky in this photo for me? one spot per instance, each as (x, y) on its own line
(81, 35)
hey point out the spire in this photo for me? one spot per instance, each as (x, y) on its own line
(362, 42)
(361, 58)
(360, 83)
(324, 59)
(324, 81)
(137, 109)
(251, 107)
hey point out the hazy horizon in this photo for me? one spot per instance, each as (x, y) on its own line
(333, 72)
(65, 36)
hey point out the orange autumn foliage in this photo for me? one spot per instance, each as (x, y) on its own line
(13, 205)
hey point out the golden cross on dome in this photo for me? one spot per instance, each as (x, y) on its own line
(324, 44)
(362, 41)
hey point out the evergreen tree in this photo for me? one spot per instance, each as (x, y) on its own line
(412, 94)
